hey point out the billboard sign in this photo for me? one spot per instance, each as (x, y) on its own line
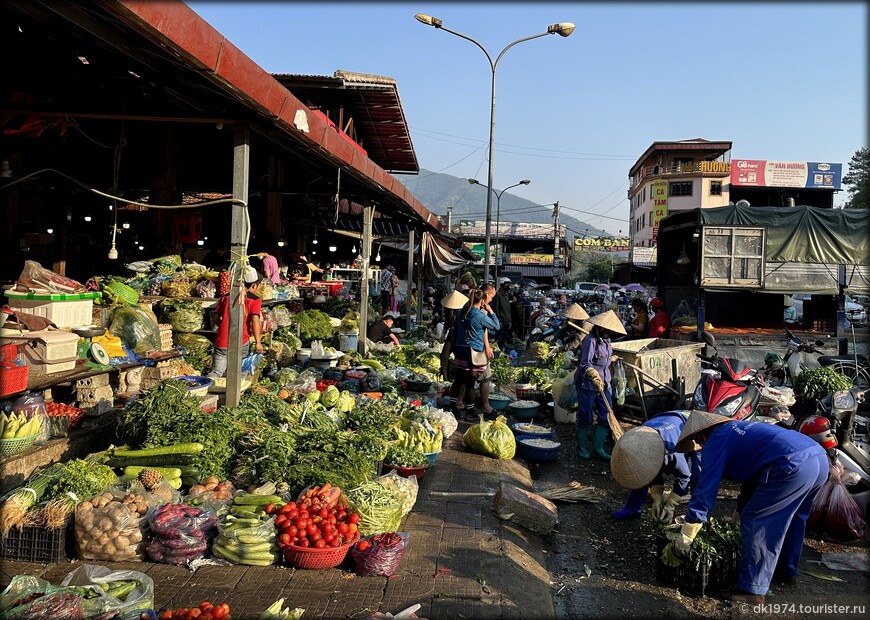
(525, 230)
(601, 244)
(528, 259)
(660, 205)
(769, 173)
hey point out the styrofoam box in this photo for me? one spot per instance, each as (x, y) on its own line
(62, 310)
(48, 347)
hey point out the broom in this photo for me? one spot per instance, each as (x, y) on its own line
(572, 492)
(612, 422)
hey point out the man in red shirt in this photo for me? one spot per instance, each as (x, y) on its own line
(660, 323)
(250, 325)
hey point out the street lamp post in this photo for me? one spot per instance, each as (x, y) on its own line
(497, 218)
(563, 29)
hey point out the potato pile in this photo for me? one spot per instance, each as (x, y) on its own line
(111, 526)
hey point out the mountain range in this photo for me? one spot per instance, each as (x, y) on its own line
(438, 192)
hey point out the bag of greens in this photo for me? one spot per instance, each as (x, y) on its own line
(493, 439)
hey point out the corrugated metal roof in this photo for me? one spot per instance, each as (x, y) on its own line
(373, 103)
(535, 271)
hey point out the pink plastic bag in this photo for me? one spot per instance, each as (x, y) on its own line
(835, 514)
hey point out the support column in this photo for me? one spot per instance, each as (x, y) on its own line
(410, 275)
(238, 251)
(420, 287)
(365, 259)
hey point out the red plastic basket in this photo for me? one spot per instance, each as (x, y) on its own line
(406, 472)
(8, 352)
(313, 558)
(13, 378)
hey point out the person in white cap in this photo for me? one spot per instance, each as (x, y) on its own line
(250, 325)
(780, 471)
(592, 382)
(643, 456)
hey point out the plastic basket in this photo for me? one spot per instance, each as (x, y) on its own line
(720, 575)
(8, 352)
(532, 394)
(13, 378)
(524, 413)
(534, 453)
(37, 544)
(378, 560)
(417, 386)
(314, 559)
(406, 472)
(432, 457)
(16, 445)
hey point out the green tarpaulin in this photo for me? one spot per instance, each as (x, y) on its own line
(803, 234)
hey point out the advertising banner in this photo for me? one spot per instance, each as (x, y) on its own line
(528, 259)
(601, 244)
(660, 205)
(769, 173)
(508, 229)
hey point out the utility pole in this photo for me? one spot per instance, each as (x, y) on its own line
(556, 280)
(449, 220)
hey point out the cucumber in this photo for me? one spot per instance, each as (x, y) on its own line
(168, 472)
(173, 460)
(175, 483)
(181, 448)
(250, 499)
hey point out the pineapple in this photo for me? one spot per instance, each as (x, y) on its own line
(150, 479)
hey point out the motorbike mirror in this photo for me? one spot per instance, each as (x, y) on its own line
(708, 338)
(820, 344)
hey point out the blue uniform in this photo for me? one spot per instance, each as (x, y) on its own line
(595, 352)
(780, 472)
(669, 425)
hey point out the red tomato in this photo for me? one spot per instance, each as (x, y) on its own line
(292, 505)
(319, 544)
(351, 530)
(341, 528)
(300, 523)
(331, 519)
(285, 539)
(293, 514)
(335, 542)
(310, 529)
(205, 606)
(303, 542)
(353, 518)
(303, 513)
(285, 509)
(271, 509)
(315, 537)
(193, 613)
(291, 530)
(363, 545)
(316, 519)
(328, 537)
(219, 612)
(166, 615)
(323, 513)
(280, 520)
(207, 615)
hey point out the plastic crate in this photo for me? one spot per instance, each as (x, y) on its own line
(721, 575)
(47, 348)
(62, 310)
(38, 544)
(13, 378)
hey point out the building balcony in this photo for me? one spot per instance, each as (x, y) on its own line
(712, 168)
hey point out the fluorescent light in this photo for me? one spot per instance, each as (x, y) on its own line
(50, 231)
(87, 218)
(200, 242)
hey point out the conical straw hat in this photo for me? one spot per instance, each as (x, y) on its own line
(697, 422)
(576, 312)
(608, 320)
(454, 301)
(637, 457)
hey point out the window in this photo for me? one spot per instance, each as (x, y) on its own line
(715, 188)
(681, 188)
(643, 221)
(732, 256)
(650, 217)
(644, 195)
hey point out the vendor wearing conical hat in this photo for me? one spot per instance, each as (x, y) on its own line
(452, 304)
(780, 472)
(643, 456)
(592, 382)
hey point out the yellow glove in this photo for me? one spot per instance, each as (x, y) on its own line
(658, 499)
(669, 506)
(688, 531)
(594, 377)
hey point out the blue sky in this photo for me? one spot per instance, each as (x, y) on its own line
(782, 81)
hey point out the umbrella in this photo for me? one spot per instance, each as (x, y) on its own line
(601, 287)
(615, 286)
(634, 287)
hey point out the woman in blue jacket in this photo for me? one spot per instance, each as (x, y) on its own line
(780, 472)
(643, 456)
(592, 381)
(477, 323)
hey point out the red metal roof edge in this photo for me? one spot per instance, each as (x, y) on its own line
(205, 48)
(696, 144)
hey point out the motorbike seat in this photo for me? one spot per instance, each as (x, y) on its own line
(830, 360)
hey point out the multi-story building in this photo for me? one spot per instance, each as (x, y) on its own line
(676, 176)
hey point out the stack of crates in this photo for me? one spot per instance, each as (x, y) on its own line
(64, 311)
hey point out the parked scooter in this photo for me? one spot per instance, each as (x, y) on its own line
(727, 386)
(781, 371)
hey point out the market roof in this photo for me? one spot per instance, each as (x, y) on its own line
(374, 105)
(148, 62)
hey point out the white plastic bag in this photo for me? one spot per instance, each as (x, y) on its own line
(448, 421)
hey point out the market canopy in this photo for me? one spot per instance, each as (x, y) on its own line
(439, 259)
(802, 234)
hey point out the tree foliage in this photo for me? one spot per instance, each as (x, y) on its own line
(858, 180)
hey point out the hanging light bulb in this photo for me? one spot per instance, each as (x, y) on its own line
(200, 242)
(353, 249)
(282, 243)
(141, 247)
(113, 253)
(332, 248)
(378, 257)
(50, 231)
(125, 225)
(313, 252)
(87, 218)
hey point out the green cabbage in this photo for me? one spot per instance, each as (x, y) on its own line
(330, 396)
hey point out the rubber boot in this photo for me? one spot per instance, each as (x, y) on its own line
(633, 505)
(598, 441)
(582, 432)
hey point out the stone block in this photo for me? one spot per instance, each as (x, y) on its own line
(95, 394)
(529, 510)
(96, 409)
(148, 384)
(93, 382)
(158, 372)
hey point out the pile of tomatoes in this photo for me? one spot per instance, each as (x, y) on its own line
(59, 409)
(205, 611)
(314, 524)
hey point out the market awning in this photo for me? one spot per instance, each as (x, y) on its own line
(535, 271)
(439, 259)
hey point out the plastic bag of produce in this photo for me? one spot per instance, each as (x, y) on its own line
(564, 392)
(28, 597)
(446, 420)
(191, 341)
(493, 439)
(35, 277)
(126, 593)
(33, 404)
(182, 533)
(253, 546)
(112, 526)
(406, 487)
(379, 508)
(282, 316)
(137, 327)
(183, 316)
(617, 382)
(380, 555)
(835, 514)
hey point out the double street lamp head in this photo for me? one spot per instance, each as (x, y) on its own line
(563, 29)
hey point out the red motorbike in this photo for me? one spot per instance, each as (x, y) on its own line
(727, 386)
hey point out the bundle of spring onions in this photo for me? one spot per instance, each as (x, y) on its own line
(16, 503)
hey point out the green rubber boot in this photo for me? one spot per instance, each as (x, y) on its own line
(582, 432)
(598, 441)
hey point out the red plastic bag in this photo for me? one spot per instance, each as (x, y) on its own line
(835, 514)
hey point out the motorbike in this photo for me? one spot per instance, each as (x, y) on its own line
(727, 386)
(849, 427)
(781, 371)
